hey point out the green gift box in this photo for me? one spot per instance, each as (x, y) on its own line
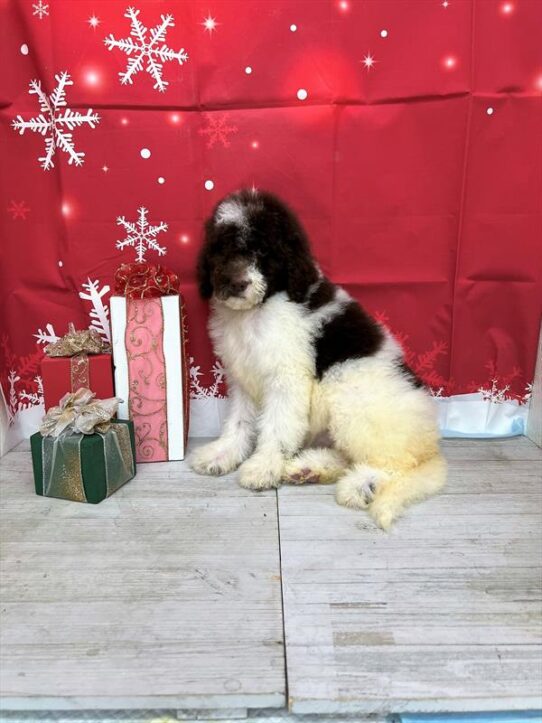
(84, 467)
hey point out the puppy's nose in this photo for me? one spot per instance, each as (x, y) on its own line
(236, 288)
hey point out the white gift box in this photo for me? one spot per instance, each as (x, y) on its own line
(151, 377)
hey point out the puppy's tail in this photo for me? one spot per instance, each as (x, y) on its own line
(402, 489)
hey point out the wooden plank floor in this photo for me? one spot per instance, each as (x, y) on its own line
(441, 614)
(165, 595)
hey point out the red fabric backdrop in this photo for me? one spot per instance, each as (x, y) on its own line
(405, 133)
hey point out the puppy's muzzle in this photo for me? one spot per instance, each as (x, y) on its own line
(232, 288)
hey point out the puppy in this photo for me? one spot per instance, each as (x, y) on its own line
(303, 358)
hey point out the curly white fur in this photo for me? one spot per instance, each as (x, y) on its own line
(383, 429)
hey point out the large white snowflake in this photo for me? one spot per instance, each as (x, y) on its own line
(99, 314)
(141, 235)
(145, 48)
(56, 121)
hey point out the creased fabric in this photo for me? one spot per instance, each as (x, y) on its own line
(406, 135)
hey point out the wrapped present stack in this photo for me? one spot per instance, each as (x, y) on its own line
(81, 453)
(151, 376)
(80, 359)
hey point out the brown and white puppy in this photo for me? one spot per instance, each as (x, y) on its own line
(303, 358)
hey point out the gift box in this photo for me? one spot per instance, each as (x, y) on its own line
(83, 466)
(78, 360)
(151, 375)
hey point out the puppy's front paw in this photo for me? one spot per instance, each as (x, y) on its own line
(261, 472)
(214, 459)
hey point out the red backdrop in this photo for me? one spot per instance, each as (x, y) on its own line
(405, 133)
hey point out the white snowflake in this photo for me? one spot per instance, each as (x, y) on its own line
(13, 401)
(197, 390)
(144, 46)
(30, 399)
(21, 400)
(437, 393)
(141, 235)
(47, 336)
(54, 124)
(99, 314)
(528, 394)
(40, 9)
(494, 395)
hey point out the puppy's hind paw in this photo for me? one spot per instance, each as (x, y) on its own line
(302, 476)
(314, 466)
(358, 488)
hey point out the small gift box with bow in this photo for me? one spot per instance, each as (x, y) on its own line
(149, 352)
(80, 359)
(81, 453)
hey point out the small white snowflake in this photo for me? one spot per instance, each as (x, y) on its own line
(47, 336)
(13, 401)
(197, 390)
(218, 373)
(141, 235)
(494, 395)
(217, 130)
(41, 9)
(145, 49)
(31, 399)
(54, 124)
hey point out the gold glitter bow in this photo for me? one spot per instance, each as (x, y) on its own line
(85, 341)
(79, 412)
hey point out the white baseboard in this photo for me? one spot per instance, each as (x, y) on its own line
(463, 415)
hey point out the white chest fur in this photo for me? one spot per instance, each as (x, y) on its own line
(260, 344)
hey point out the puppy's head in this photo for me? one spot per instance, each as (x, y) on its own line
(254, 247)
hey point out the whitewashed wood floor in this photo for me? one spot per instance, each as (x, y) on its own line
(168, 594)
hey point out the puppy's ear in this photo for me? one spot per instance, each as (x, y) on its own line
(204, 266)
(301, 269)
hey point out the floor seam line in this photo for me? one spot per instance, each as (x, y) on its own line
(283, 609)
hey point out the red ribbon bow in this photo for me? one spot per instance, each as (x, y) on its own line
(145, 281)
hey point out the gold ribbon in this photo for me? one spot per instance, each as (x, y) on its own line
(79, 412)
(85, 341)
(62, 463)
(79, 372)
(63, 428)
